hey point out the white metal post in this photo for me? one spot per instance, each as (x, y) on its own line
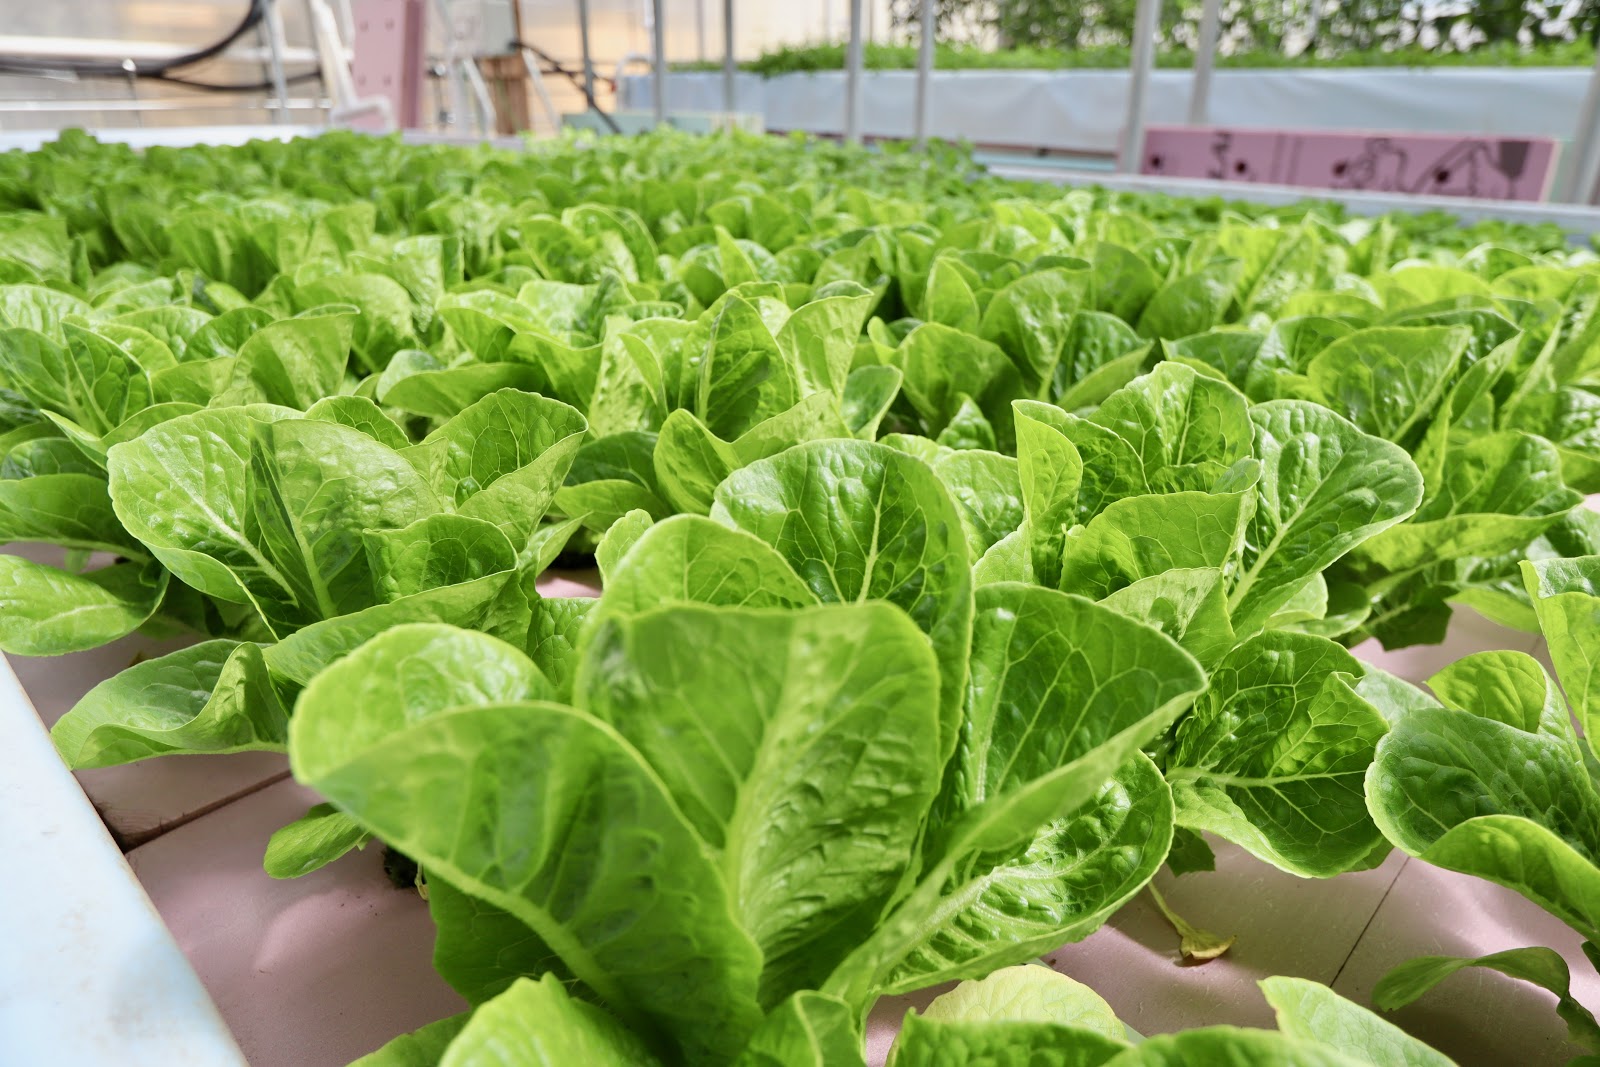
(484, 103)
(262, 45)
(1205, 56)
(852, 77)
(347, 22)
(1584, 167)
(729, 64)
(275, 47)
(1145, 21)
(658, 62)
(536, 79)
(924, 69)
(337, 80)
(588, 57)
(450, 114)
(128, 69)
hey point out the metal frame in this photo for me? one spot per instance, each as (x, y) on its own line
(483, 112)
(1146, 20)
(329, 50)
(275, 49)
(853, 62)
(347, 20)
(450, 113)
(730, 67)
(924, 70)
(1584, 168)
(583, 43)
(272, 51)
(540, 90)
(461, 71)
(1205, 59)
(266, 65)
(658, 62)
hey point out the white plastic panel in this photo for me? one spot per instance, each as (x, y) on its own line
(91, 976)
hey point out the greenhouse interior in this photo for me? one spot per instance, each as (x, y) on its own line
(849, 533)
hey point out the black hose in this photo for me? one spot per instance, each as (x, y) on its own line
(237, 87)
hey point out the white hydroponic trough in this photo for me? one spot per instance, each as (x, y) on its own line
(90, 974)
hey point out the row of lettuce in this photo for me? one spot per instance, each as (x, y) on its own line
(968, 550)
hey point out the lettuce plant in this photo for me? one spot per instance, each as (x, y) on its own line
(313, 535)
(1179, 503)
(1445, 386)
(742, 844)
(1489, 776)
(965, 544)
(1016, 1015)
(706, 310)
(1021, 811)
(1032, 1014)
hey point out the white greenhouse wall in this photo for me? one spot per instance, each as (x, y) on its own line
(1083, 110)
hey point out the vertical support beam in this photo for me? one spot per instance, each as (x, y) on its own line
(729, 64)
(658, 62)
(128, 69)
(536, 79)
(338, 79)
(261, 43)
(700, 30)
(924, 69)
(275, 47)
(1144, 53)
(852, 77)
(1584, 167)
(347, 21)
(484, 120)
(583, 43)
(1205, 58)
(450, 113)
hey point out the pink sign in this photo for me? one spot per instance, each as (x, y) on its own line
(1490, 168)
